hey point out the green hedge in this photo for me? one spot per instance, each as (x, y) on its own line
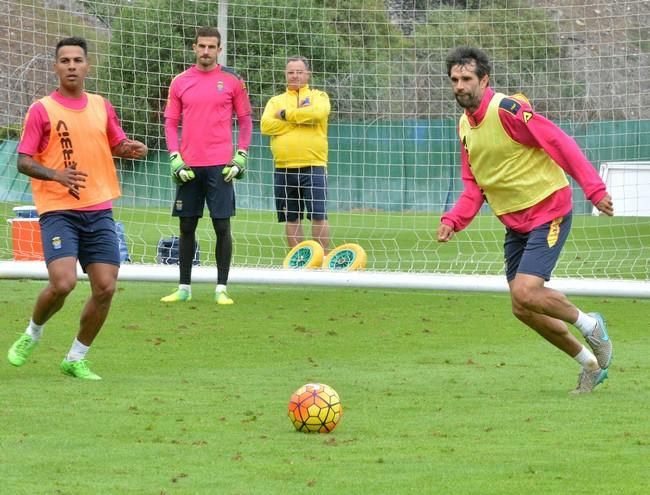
(392, 166)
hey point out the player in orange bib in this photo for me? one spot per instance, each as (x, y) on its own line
(67, 148)
(516, 160)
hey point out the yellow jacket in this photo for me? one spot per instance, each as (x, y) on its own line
(300, 139)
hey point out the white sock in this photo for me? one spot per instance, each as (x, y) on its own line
(77, 351)
(587, 359)
(220, 288)
(34, 331)
(585, 323)
(186, 287)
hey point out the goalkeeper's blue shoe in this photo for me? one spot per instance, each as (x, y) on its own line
(222, 297)
(599, 342)
(78, 369)
(21, 349)
(181, 295)
(587, 380)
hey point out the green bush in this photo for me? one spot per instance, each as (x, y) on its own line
(151, 43)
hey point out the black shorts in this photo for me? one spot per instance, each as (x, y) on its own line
(208, 187)
(300, 190)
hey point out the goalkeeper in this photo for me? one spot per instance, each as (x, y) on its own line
(516, 160)
(203, 163)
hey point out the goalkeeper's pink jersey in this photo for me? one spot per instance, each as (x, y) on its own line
(204, 104)
(528, 129)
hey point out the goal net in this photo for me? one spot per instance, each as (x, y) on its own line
(393, 149)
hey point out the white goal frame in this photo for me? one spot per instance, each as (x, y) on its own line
(379, 280)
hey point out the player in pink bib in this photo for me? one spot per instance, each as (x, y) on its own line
(203, 100)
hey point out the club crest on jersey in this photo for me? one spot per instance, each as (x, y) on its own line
(220, 86)
(527, 116)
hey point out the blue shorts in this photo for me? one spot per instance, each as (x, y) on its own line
(207, 187)
(89, 236)
(300, 190)
(537, 252)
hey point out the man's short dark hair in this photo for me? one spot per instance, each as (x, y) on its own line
(208, 32)
(467, 55)
(71, 41)
(299, 58)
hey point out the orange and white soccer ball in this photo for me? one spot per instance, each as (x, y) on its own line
(315, 408)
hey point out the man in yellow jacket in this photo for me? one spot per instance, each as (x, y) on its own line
(296, 120)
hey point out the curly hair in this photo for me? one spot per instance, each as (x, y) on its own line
(467, 55)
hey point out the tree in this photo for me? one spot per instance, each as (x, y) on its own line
(151, 42)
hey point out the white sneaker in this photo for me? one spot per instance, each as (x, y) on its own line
(599, 342)
(587, 380)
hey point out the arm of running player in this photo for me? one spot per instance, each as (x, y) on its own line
(120, 145)
(468, 205)
(69, 177)
(567, 154)
(531, 129)
(129, 148)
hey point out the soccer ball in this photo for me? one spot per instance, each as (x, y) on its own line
(315, 408)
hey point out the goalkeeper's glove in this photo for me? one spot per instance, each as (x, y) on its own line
(236, 168)
(181, 173)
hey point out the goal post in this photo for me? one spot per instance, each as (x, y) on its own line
(393, 149)
(369, 279)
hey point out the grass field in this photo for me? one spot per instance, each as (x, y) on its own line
(442, 393)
